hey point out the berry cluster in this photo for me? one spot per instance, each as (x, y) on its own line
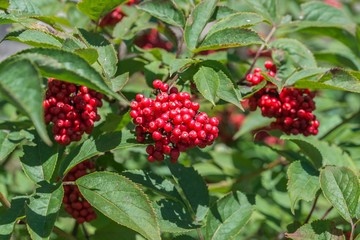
(152, 39)
(292, 108)
(74, 202)
(115, 16)
(72, 109)
(172, 121)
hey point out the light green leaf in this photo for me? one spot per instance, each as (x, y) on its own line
(34, 38)
(194, 189)
(23, 7)
(228, 216)
(197, 21)
(303, 182)
(165, 10)
(89, 54)
(20, 82)
(4, 4)
(229, 38)
(207, 82)
(10, 216)
(317, 230)
(119, 82)
(266, 8)
(227, 91)
(42, 210)
(305, 74)
(120, 200)
(39, 161)
(341, 188)
(98, 8)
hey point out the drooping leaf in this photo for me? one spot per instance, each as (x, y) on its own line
(227, 91)
(207, 82)
(20, 82)
(119, 82)
(303, 182)
(194, 189)
(228, 216)
(34, 38)
(173, 217)
(39, 161)
(317, 230)
(98, 8)
(107, 56)
(9, 142)
(229, 38)
(165, 10)
(42, 210)
(341, 188)
(121, 200)
(154, 182)
(9, 217)
(197, 21)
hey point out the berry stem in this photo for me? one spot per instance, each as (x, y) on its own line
(312, 209)
(4, 201)
(327, 213)
(86, 233)
(266, 41)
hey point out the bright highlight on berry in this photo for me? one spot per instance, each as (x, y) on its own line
(172, 121)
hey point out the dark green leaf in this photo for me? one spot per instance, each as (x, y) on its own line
(9, 217)
(154, 182)
(207, 82)
(303, 182)
(34, 38)
(197, 21)
(121, 200)
(165, 10)
(98, 8)
(194, 189)
(42, 210)
(106, 51)
(227, 91)
(317, 230)
(229, 38)
(39, 161)
(20, 82)
(9, 142)
(341, 187)
(228, 216)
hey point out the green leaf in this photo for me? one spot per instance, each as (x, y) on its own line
(229, 38)
(91, 148)
(154, 182)
(173, 217)
(9, 217)
(317, 230)
(228, 216)
(120, 200)
(119, 82)
(341, 188)
(34, 38)
(237, 20)
(39, 161)
(66, 66)
(9, 142)
(89, 54)
(253, 121)
(227, 91)
(178, 64)
(194, 189)
(106, 51)
(165, 10)
(23, 7)
(303, 182)
(207, 82)
(337, 79)
(96, 9)
(305, 74)
(42, 210)
(4, 4)
(266, 8)
(20, 82)
(197, 21)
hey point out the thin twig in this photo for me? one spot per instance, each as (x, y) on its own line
(201, 236)
(327, 213)
(258, 53)
(312, 209)
(86, 234)
(75, 229)
(353, 226)
(4, 201)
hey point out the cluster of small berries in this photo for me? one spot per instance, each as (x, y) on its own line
(74, 202)
(292, 108)
(115, 16)
(172, 121)
(72, 109)
(152, 39)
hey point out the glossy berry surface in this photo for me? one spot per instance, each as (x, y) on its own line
(152, 39)
(292, 108)
(74, 203)
(72, 109)
(172, 122)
